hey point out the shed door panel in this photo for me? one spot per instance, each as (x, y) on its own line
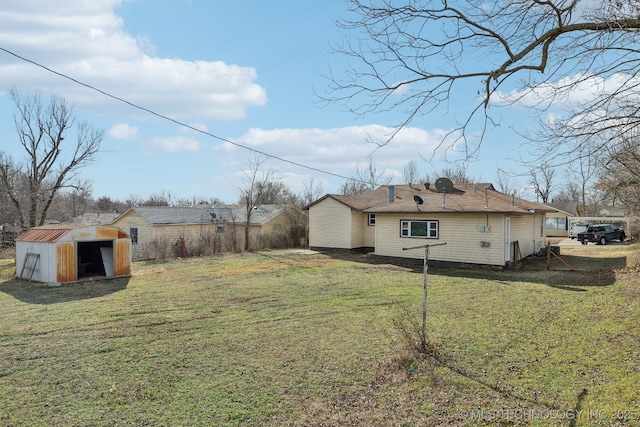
(122, 257)
(66, 270)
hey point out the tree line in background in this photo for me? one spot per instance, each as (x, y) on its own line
(606, 181)
(46, 183)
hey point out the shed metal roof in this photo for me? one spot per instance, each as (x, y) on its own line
(47, 233)
(52, 233)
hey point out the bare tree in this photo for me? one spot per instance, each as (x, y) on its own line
(365, 178)
(582, 173)
(411, 174)
(197, 200)
(619, 176)
(416, 56)
(164, 198)
(506, 185)
(51, 163)
(259, 186)
(542, 181)
(73, 202)
(457, 174)
(312, 191)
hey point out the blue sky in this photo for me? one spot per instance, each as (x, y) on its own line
(243, 71)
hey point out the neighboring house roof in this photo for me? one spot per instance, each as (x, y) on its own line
(464, 198)
(568, 208)
(95, 218)
(167, 215)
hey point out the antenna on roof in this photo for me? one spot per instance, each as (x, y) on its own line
(444, 185)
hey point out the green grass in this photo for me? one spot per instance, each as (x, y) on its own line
(296, 339)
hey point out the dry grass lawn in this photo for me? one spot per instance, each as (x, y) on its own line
(288, 338)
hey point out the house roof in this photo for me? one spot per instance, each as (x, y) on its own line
(167, 215)
(464, 198)
(95, 218)
(160, 215)
(568, 208)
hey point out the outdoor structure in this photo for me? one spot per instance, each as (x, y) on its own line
(566, 220)
(63, 253)
(557, 223)
(478, 224)
(159, 232)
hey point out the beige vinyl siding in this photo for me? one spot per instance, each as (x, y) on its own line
(357, 229)
(526, 230)
(369, 232)
(330, 225)
(145, 234)
(461, 232)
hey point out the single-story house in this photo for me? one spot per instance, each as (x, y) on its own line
(62, 253)
(478, 224)
(165, 231)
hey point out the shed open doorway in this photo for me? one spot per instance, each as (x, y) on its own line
(95, 259)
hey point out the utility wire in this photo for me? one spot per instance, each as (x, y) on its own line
(147, 110)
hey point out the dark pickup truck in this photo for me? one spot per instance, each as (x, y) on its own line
(601, 233)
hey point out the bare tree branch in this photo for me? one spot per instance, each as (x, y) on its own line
(51, 163)
(418, 58)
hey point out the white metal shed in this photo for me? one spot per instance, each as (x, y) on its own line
(64, 253)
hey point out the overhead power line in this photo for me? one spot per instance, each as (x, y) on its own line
(162, 116)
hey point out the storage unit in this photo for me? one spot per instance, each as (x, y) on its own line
(65, 253)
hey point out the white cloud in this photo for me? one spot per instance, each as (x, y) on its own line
(87, 41)
(340, 150)
(174, 144)
(123, 131)
(571, 91)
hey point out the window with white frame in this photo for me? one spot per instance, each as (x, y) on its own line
(372, 219)
(419, 228)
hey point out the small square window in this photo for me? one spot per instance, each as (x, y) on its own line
(133, 233)
(372, 219)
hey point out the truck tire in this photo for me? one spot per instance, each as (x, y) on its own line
(622, 236)
(603, 240)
